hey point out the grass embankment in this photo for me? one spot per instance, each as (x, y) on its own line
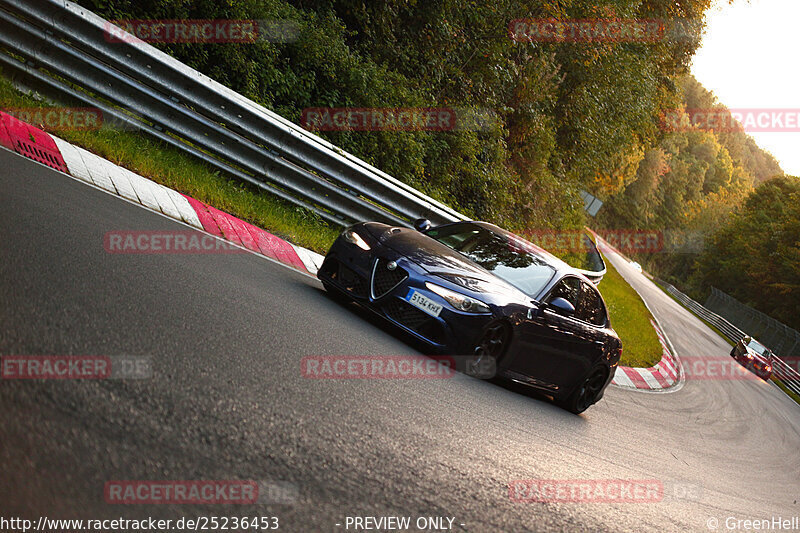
(630, 319)
(171, 167)
(789, 393)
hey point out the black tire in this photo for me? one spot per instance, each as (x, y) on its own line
(585, 394)
(488, 352)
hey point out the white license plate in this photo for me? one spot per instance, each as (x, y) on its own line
(426, 304)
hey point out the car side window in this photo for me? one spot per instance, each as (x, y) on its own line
(590, 308)
(568, 288)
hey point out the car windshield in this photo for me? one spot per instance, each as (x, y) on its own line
(512, 260)
(757, 347)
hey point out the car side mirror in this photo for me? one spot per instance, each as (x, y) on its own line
(422, 224)
(562, 306)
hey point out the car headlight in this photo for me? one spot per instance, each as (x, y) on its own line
(351, 236)
(459, 301)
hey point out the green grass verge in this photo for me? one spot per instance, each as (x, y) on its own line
(789, 393)
(171, 167)
(630, 319)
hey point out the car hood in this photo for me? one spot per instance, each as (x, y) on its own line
(440, 260)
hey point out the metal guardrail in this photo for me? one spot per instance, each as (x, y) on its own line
(780, 369)
(62, 50)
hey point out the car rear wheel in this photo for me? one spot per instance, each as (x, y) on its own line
(586, 394)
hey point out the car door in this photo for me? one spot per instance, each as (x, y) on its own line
(587, 343)
(549, 340)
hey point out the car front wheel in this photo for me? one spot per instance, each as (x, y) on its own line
(489, 350)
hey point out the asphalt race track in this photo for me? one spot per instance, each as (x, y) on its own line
(226, 333)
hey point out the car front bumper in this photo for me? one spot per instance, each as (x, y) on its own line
(365, 277)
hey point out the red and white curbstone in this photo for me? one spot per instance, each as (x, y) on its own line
(57, 153)
(666, 374)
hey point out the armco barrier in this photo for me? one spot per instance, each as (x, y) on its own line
(62, 50)
(780, 369)
(66, 55)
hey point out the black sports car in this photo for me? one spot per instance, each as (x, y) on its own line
(473, 289)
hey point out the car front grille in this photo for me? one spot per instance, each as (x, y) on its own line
(384, 280)
(414, 319)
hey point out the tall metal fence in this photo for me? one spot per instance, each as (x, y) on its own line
(781, 368)
(778, 336)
